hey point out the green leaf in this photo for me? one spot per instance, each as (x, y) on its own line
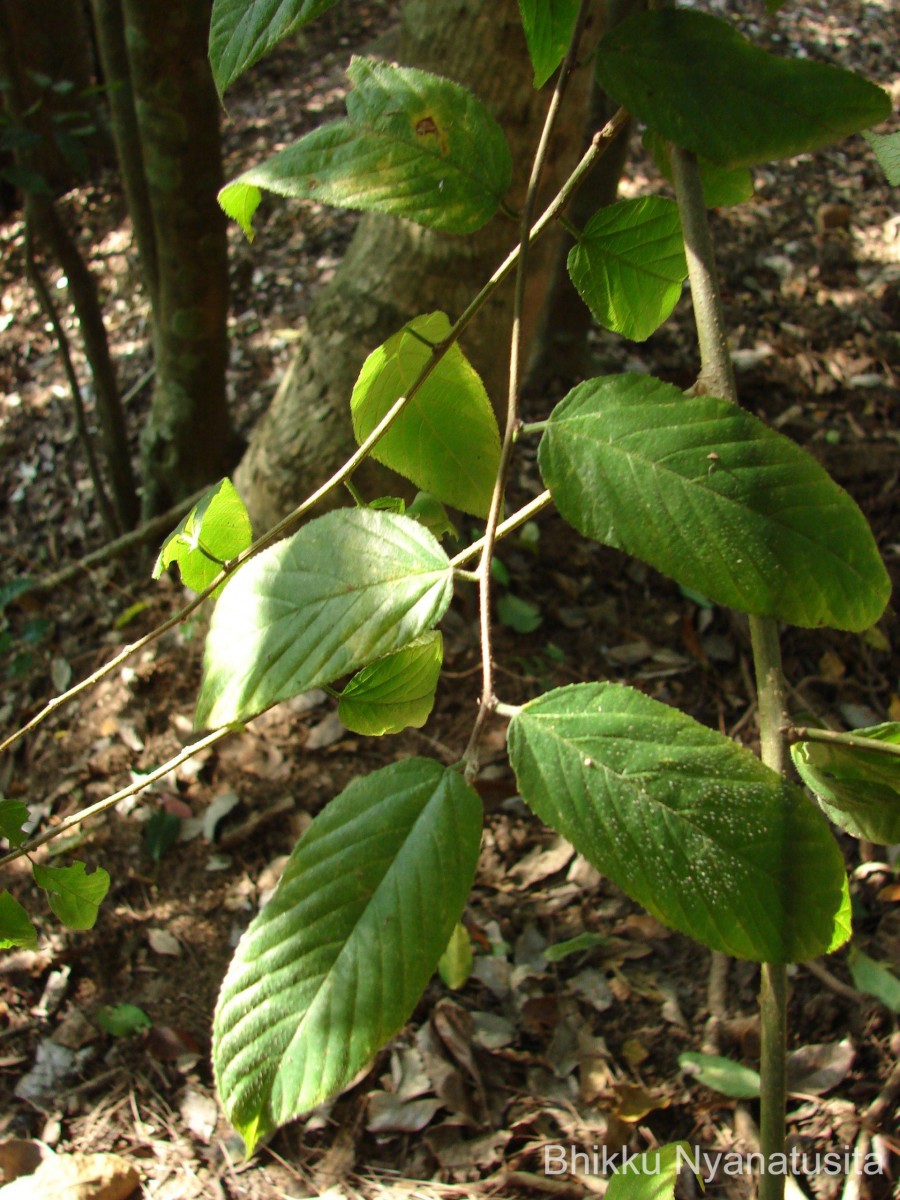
(396, 692)
(687, 822)
(161, 833)
(336, 961)
(857, 789)
(122, 1020)
(874, 979)
(446, 440)
(13, 815)
(518, 614)
(576, 945)
(214, 532)
(16, 928)
(887, 151)
(73, 895)
(428, 511)
(722, 186)
(413, 144)
(709, 495)
(455, 964)
(349, 587)
(242, 31)
(549, 25)
(652, 1176)
(629, 265)
(694, 79)
(721, 1075)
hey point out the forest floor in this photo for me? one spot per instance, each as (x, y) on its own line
(533, 1051)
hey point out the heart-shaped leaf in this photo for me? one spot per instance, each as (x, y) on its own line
(629, 265)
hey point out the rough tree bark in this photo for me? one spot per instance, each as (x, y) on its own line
(188, 439)
(394, 270)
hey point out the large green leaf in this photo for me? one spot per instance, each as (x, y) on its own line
(446, 439)
(16, 928)
(214, 532)
(629, 265)
(413, 144)
(396, 692)
(72, 894)
(858, 789)
(549, 25)
(711, 496)
(242, 31)
(693, 78)
(687, 822)
(350, 587)
(334, 964)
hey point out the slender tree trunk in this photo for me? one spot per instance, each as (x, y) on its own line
(394, 270)
(188, 438)
(109, 28)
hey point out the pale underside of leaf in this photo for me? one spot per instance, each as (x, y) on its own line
(350, 587)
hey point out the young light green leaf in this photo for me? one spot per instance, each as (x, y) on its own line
(709, 495)
(652, 1176)
(857, 789)
(214, 532)
(687, 822)
(13, 815)
(336, 961)
(122, 1020)
(348, 588)
(455, 964)
(446, 440)
(576, 945)
(874, 979)
(396, 692)
(694, 79)
(414, 144)
(887, 151)
(73, 895)
(428, 511)
(721, 1074)
(548, 25)
(518, 614)
(722, 186)
(242, 31)
(629, 265)
(16, 928)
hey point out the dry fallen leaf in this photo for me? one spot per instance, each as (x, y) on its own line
(76, 1177)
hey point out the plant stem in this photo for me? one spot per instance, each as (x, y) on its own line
(717, 378)
(488, 698)
(833, 737)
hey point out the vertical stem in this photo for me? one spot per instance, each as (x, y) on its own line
(717, 377)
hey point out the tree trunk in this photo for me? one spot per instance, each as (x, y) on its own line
(188, 438)
(394, 270)
(109, 29)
